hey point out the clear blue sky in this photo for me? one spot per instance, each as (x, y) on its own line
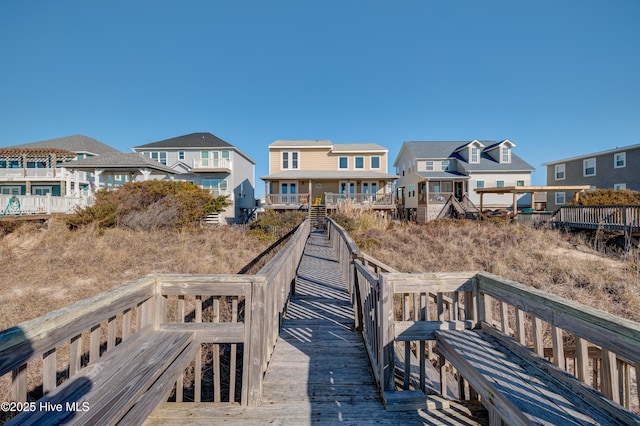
(558, 78)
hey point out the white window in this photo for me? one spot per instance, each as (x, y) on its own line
(216, 186)
(159, 156)
(429, 166)
(10, 190)
(480, 184)
(41, 190)
(500, 183)
(180, 155)
(519, 183)
(619, 186)
(290, 159)
(473, 158)
(445, 165)
(343, 163)
(589, 167)
(560, 172)
(375, 162)
(620, 160)
(560, 198)
(359, 163)
(505, 155)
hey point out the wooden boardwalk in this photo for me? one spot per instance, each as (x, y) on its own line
(319, 372)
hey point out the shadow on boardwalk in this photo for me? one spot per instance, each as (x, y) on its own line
(319, 372)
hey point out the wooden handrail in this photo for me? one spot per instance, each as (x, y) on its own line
(108, 319)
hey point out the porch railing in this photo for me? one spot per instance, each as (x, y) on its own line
(332, 198)
(287, 199)
(47, 204)
(211, 163)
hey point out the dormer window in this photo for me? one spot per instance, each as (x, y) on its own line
(505, 154)
(475, 155)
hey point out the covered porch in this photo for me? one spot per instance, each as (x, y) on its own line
(366, 189)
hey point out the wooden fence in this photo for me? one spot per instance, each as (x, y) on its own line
(593, 217)
(235, 319)
(400, 310)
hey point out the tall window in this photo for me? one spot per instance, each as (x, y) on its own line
(589, 167)
(289, 159)
(343, 163)
(429, 166)
(620, 160)
(180, 155)
(359, 162)
(506, 155)
(375, 162)
(474, 155)
(216, 186)
(560, 171)
(560, 198)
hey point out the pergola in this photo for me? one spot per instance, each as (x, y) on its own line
(515, 190)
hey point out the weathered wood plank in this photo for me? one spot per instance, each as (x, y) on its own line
(614, 333)
(435, 282)
(424, 330)
(509, 384)
(32, 338)
(206, 285)
(208, 332)
(113, 384)
(587, 396)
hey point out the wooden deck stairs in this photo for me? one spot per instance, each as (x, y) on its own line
(460, 209)
(318, 216)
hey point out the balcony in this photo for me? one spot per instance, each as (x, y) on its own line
(22, 173)
(211, 165)
(287, 201)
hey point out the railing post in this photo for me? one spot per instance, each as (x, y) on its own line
(386, 337)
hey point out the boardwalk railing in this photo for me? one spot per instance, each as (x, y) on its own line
(234, 318)
(607, 217)
(399, 310)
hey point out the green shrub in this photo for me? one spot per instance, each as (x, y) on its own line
(150, 205)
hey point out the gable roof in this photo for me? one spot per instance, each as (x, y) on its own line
(193, 140)
(449, 149)
(119, 161)
(302, 143)
(358, 147)
(75, 143)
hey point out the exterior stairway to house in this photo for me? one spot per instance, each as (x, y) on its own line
(463, 209)
(318, 216)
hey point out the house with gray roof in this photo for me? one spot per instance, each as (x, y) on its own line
(38, 168)
(216, 165)
(303, 173)
(429, 172)
(615, 168)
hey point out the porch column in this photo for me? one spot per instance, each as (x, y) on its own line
(533, 201)
(481, 199)
(76, 182)
(310, 193)
(145, 174)
(97, 173)
(66, 174)
(515, 204)
(54, 161)
(266, 193)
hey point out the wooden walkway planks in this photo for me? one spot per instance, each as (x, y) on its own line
(319, 372)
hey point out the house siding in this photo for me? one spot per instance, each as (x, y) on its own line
(606, 174)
